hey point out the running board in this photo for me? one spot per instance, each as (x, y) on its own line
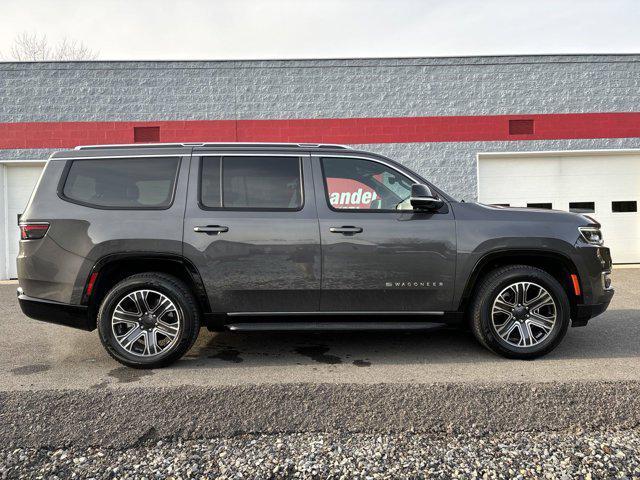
(330, 326)
(324, 314)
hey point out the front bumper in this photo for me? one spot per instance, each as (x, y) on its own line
(75, 316)
(585, 312)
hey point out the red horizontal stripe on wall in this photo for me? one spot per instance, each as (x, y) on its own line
(338, 130)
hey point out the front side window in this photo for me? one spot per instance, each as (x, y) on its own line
(256, 183)
(353, 183)
(122, 182)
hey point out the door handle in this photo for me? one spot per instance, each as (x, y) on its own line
(211, 229)
(346, 230)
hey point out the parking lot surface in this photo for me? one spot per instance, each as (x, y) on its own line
(36, 355)
(282, 405)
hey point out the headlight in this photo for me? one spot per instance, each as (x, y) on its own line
(591, 235)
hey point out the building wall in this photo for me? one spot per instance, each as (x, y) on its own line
(249, 90)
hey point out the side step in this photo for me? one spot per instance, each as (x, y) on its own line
(331, 326)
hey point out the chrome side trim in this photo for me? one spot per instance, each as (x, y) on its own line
(277, 314)
(332, 326)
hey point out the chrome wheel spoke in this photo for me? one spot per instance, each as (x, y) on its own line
(147, 331)
(541, 322)
(151, 343)
(526, 335)
(132, 336)
(541, 300)
(130, 318)
(165, 306)
(502, 306)
(523, 314)
(507, 327)
(169, 330)
(139, 297)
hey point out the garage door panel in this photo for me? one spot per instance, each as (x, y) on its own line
(20, 181)
(560, 180)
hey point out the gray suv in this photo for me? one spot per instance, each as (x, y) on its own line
(147, 243)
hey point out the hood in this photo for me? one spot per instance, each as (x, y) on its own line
(490, 212)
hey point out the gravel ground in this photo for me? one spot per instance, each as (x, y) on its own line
(607, 454)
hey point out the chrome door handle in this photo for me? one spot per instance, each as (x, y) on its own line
(346, 230)
(211, 229)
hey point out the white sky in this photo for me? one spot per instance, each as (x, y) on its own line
(252, 29)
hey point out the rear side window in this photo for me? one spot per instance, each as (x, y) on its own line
(256, 183)
(122, 182)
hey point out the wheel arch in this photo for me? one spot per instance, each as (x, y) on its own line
(557, 264)
(113, 268)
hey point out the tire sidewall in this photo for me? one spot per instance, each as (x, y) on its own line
(122, 289)
(559, 296)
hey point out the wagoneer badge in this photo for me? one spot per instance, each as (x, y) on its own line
(413, 284)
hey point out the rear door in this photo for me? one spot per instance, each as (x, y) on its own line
(251, 229)
(378, 254)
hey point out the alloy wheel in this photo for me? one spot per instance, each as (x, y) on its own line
(146, 323)
(523, 314)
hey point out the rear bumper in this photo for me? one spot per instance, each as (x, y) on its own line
(75, 316)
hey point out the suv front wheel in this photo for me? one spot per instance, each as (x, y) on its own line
(148, 320)
(520, 311)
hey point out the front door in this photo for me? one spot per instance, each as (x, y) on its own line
(251, 229)
(377, 253)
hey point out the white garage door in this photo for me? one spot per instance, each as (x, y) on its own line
(604, 185)
(19, 182)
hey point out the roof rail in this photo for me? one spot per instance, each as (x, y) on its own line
(216, 144)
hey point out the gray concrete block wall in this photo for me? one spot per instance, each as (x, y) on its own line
(119, 91)
(317, 89)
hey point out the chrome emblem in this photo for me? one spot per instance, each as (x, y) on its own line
(414, 284)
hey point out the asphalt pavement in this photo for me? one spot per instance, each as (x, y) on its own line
(36, 355)
(59, 389)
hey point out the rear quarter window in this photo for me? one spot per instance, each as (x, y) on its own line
(127, 183)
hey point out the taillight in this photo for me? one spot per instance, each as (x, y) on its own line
(33, 231)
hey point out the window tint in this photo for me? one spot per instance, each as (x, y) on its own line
(621, 207)
(582, 207)
(353, 183)
(122, 182)
(251, 182)
(539, 205)
(210, 193)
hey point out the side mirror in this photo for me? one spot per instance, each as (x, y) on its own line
(423, 199)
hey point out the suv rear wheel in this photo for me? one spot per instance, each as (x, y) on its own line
(520, 311)
(148, 320)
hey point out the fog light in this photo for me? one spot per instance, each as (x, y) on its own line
(606, 280)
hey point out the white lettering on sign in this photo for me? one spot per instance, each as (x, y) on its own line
(357, 199)
(348, 193)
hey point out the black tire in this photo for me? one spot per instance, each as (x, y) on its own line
(185, 307)
(495, 282)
